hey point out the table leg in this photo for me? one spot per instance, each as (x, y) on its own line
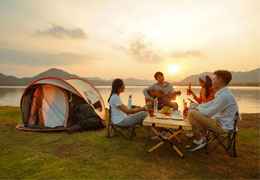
(173, 136)
(154, 130)
(178, 151)
(176, 137)
(156, 146)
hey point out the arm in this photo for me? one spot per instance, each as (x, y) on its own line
(170, 91)
(146, 94)
(213, 107)
(125, 109)
(115, 101)
(152, 92)
(198, 99)
(175, 93)
(191, 100)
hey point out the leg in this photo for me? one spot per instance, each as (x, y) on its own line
(133, 119)
(208, 123)
(166, 101)
(197, 128)
(201, 123)
(173, 105)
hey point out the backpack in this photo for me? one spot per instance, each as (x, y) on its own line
(86, 117)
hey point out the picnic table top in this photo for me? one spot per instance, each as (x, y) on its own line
(166, 122)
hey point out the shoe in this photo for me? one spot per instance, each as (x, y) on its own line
(200, 146)
(198, 142)
(189, 134)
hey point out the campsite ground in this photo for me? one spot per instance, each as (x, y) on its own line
(90, 155)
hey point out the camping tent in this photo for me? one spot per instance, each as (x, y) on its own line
(57, 96)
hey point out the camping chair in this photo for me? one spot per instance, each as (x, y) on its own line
(227, 139)
(127, 132)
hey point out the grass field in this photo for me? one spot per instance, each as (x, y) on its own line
(90, 155)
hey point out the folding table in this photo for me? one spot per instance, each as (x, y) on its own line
(167, 130)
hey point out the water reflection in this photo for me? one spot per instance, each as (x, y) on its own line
(248, 97)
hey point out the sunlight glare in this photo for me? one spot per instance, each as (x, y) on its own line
(173, 69)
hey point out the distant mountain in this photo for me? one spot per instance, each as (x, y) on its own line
(9, 80)
(14, 81)
(247, 78)
(53, 72)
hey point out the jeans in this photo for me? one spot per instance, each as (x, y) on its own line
(133, 119)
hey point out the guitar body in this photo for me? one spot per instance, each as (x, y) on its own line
(161, 94)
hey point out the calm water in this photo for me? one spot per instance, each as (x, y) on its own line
(248, 98)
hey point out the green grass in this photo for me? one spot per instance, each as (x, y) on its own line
(90, 155)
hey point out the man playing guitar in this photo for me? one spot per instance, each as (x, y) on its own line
(162, 90)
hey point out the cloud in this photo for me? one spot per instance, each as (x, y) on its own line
(143, 51)
(190, 54)
(17, 57)
(60, 32)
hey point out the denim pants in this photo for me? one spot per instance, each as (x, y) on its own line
(133, 119)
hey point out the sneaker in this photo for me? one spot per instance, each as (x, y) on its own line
(189, 134)
(200, 146)
(198, 142)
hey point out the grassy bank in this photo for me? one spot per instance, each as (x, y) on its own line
(26, 155)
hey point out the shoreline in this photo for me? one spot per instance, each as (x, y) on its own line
(254, 114)
(129, 85)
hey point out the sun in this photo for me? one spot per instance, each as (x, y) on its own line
(173, 69)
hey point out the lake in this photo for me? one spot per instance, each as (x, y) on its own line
(248, 98)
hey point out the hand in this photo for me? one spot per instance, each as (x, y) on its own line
(178, 93)
(148, 101)
(193, 105)
(133, 106)
(145, 108)
(191, 92)
(191, 100)
(156, 93)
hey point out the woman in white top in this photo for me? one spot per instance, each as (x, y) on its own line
(120, 114)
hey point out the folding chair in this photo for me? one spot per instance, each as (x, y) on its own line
(227, 139)
(128, 132)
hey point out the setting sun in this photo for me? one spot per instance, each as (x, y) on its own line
(173, 68)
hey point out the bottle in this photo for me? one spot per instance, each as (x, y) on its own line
(185, 108)
(130, 101)
(155, 106)
(189, 90)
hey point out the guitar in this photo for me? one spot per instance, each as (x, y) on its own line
(161, 94)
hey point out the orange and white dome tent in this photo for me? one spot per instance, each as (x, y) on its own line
(57, 95)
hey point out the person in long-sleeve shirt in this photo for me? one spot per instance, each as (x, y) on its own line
(163, 90)
(217, 114)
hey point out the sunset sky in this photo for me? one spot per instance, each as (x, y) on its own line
(129, 38)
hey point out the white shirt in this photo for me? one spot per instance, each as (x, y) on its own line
(116, 114)
(222, 108)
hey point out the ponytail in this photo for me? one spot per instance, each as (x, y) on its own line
(208, 85)
(116, 84)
